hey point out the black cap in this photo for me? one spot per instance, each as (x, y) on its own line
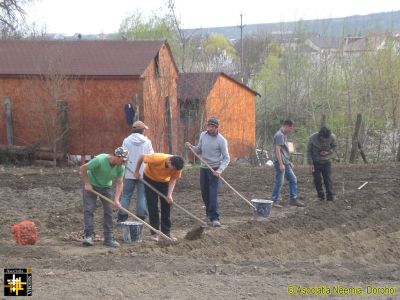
(213, 121)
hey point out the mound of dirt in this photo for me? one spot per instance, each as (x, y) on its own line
(353, 241)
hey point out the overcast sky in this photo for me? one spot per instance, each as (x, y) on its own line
(105, 16)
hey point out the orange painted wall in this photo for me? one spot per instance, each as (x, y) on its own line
(235, 108)
(96, 118)
(155, 91)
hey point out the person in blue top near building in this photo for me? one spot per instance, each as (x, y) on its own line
(98, 175)
(283, 166)
(213, 149)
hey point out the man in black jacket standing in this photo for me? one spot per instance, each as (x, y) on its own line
(321, 146)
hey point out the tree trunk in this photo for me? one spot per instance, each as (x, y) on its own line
(398, 149)
(355, 139)
(186, 131)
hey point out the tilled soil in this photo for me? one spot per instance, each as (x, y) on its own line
(351, 242)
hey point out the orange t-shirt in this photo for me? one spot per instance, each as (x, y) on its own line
(157, 169)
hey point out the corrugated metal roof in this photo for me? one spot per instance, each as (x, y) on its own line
(80, 57)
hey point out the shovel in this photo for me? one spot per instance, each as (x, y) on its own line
(134, 216)
(212, 170)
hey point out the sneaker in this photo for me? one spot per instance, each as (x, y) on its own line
(111, 243)
(277, 205)
(296, 203)
(174, 239)
(153, 237)
(88, 241)
(216, 223)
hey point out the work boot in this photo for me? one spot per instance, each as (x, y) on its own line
(121, 218)
(297, 203)
(277, 205)
(331, 198)
(143, 218)
(321, 196)
(111, 243)
(88, 241)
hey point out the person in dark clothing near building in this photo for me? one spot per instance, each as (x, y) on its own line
(321, 146)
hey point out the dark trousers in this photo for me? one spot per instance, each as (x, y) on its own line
(152, 205)
(209, 185)
(325, 170)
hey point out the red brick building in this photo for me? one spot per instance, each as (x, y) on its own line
(92, 81)
(202, 95)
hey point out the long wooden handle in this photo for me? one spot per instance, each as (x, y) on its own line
(212, 170)
(134, 216)
(163, 196)
(174, 203)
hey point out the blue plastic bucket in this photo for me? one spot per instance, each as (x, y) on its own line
(262, 207)
(132, 231)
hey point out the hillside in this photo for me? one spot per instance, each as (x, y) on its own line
(352, 25)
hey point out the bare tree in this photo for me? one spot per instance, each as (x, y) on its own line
(49, 93)
(11, 15)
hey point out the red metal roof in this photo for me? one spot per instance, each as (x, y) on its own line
(197, 86)
(79, 57)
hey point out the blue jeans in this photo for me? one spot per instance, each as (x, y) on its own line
(279, 179)
(141, 205)
(209, 185)
(89, 207)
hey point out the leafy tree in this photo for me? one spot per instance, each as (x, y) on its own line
(157, 26)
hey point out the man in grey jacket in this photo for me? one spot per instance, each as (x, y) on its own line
(213, 149)
(321, 146)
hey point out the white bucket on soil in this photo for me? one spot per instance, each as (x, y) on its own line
(132, 231)
(262, 207)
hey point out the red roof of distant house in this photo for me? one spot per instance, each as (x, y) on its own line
(79, 57)
(197, 86)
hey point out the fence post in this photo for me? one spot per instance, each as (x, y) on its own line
(9, 123)
(64, 126)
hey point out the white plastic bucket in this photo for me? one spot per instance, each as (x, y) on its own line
(262, 207)
(132, 231)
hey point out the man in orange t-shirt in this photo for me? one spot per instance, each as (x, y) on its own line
(161, 172)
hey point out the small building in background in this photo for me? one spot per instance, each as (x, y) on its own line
(202, 95)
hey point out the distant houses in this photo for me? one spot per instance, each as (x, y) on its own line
(72, 96)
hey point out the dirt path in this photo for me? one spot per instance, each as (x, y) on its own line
(353, 242)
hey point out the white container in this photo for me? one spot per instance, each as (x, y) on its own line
(132, 231)
(262, 207)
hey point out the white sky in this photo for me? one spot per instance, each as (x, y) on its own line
(97, 16)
